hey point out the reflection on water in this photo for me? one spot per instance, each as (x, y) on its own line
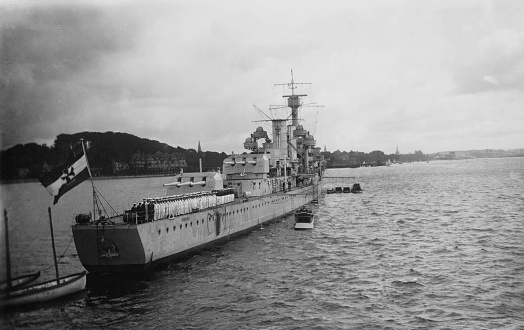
(427, 245)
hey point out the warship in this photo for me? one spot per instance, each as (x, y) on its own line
(277, 176)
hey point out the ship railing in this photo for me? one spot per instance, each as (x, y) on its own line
(105, 216)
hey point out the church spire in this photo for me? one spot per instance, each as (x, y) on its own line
(199, 152)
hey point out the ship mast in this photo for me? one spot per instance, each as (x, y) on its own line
(293, 100)
(291, 143)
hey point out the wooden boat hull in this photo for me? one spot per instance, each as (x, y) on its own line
(45, 291)
(304, 225)
(19, 281)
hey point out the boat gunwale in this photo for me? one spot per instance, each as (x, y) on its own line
(45, 286)
(29, 279)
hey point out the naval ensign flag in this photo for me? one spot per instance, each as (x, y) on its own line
(71, 174)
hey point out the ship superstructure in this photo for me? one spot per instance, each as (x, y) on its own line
(279, 175)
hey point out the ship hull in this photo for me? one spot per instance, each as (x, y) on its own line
(124, 247)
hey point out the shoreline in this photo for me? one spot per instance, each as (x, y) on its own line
(174, 174)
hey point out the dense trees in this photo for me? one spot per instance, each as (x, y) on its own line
(31, 160)
(23, 161)
(355, 158)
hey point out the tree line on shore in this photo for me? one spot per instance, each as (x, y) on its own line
(356, 158)
(31, 160)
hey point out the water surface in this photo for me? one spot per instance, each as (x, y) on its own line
(427, 245)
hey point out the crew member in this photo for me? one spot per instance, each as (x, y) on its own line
(151, 210)
(133, 212)
(139, 212)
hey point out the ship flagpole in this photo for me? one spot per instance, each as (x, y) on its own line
(7, 255)
(90, 178)
(87, 162)
(53, 243)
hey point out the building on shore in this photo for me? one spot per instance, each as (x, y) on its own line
(157, 163)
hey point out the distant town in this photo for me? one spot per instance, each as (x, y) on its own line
(378, 158)
(485, 153)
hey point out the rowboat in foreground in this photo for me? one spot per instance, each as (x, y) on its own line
(44, 291)
(18, 293)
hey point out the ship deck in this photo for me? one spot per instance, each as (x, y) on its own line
(118, 220)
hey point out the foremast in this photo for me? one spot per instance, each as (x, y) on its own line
(300, 143)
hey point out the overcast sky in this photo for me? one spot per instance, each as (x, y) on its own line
(420, 75)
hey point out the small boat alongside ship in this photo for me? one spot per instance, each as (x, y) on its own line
(279, 175)
(304, 218)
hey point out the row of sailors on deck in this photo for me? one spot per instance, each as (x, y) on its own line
(169, 207)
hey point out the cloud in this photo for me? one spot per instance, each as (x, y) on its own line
(491, 79)
(496, 63)
(44, 51)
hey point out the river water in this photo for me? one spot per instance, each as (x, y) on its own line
(436, 245)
